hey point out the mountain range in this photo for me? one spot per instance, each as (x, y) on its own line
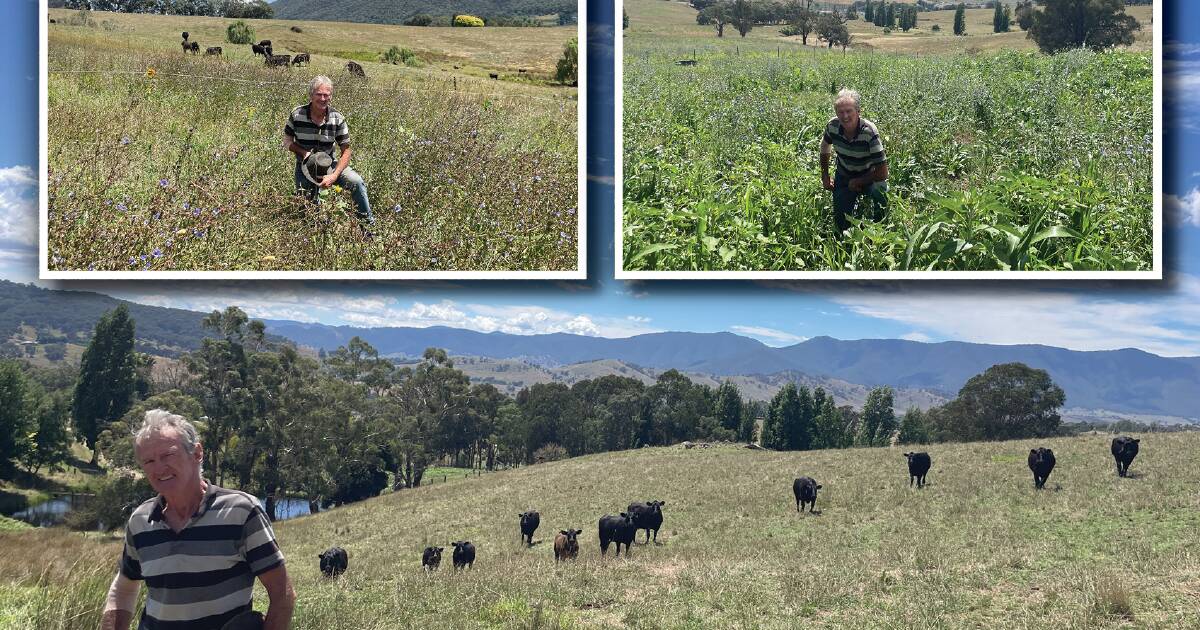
(1100, 384)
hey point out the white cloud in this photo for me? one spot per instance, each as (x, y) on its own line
(1185, 209)
(1182, 89)
(917, 336)
(769, 336)
(18, 207)
(1161, 320)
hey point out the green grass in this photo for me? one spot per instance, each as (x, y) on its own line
(1001, 161)
(183, 170)
(978, 547)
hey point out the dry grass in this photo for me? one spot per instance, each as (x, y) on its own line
(978, 547)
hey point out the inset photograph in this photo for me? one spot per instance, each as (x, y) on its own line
(805, 139)
(301, 139)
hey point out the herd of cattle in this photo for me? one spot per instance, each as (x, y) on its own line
(268, 53)
(622, 529)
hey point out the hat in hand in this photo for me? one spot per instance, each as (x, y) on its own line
(249, 620)
(316, 166)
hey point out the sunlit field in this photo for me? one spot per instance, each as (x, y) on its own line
(1000, 158)
(161, 160)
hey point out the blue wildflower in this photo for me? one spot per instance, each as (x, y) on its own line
(164, 182)
(157, 253)
(124, 140)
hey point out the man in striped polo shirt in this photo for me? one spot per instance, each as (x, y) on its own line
(197, 546)
(318, 127)
(861, 165)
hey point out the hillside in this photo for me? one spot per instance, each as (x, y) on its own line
(977, 547)
(397, 11)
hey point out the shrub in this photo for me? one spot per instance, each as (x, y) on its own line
(81, 18)
(549, 453)
(397, 55)
(420, 19)
(467, 20)
(936, 28)
(568, 66)
(116, 497)
(239, 33)
(297, 29)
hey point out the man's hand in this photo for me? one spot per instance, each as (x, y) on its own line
(826, 182)
(858, 184)
(329, 180)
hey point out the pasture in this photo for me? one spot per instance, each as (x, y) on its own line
(162, 160)
(1000, 159)
(977, 547)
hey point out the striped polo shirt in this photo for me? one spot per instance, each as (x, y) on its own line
(202, 576)
(314, 137)
(858, 154)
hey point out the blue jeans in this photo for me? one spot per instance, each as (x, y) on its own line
(845, 202)
(349, 180)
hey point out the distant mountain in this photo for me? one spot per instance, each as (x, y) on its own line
(1098, 384)
(397, 11)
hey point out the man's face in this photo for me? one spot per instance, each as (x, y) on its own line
(847, 113)
(169, 468)
(321, 96)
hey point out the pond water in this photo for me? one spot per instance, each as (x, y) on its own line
(54, 511)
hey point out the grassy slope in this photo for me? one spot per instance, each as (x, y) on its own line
(656, 19)
(978, 547)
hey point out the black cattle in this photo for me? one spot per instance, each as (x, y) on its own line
(192, 47)
(279, 60)
(260, 50)
(529, 524)
(918, 466)
(566, 544)
(213, 50)
(1124, 449)
(431, 558)
(297, 29)
(266, 43)
(357, 70)
(301, 58)
(1041, 462)
(493, 75)
(185, 36)
(333, 561)
(617, 529)
(647, 516)
(464, 554)
(805, 489)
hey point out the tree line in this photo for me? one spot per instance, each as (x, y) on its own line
(251, 9)
(347, 424)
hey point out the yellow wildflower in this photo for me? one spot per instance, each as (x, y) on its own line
(268, 259)
(181, 232)
(150, 72)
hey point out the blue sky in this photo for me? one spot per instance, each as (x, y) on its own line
(1160, 317)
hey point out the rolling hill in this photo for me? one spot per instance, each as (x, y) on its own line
(397, 11)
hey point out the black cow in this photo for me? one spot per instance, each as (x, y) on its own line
(493, 75)
(300, 58)
(192, 47)
(431, 558)
(1124, 449)
(805, 489)
(1041, 462)
(185, 35)
(619, 529)
(566, 544)
(282, 61)
(357, 70)
(213, 50)
(260, 50)
(266, 43)
(529, 524)
(918, 466)
(647, 516)
(333, 561)
(464, 554)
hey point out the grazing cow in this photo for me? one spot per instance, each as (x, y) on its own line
(185, 36)
(1041, 462)
(213, 50)
(279, 60)
(53, 21)
(494, 75)
(1124, 449)
(192, 47)
(464, 554)
(431, 558)
(805, 489)
(357, 70)
(647, 516)
(617, 529)
(521, 70)
(918, 466)
(300, 58)
(266, 43)
(260, 50)
(333, 561)
(566, 545)
(529, 524)
(297, 29)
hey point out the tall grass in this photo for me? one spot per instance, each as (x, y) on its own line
(1013, 161)
(161, 161)
(977, 547)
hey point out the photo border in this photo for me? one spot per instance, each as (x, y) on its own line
(1155, 273)
(579, 273)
